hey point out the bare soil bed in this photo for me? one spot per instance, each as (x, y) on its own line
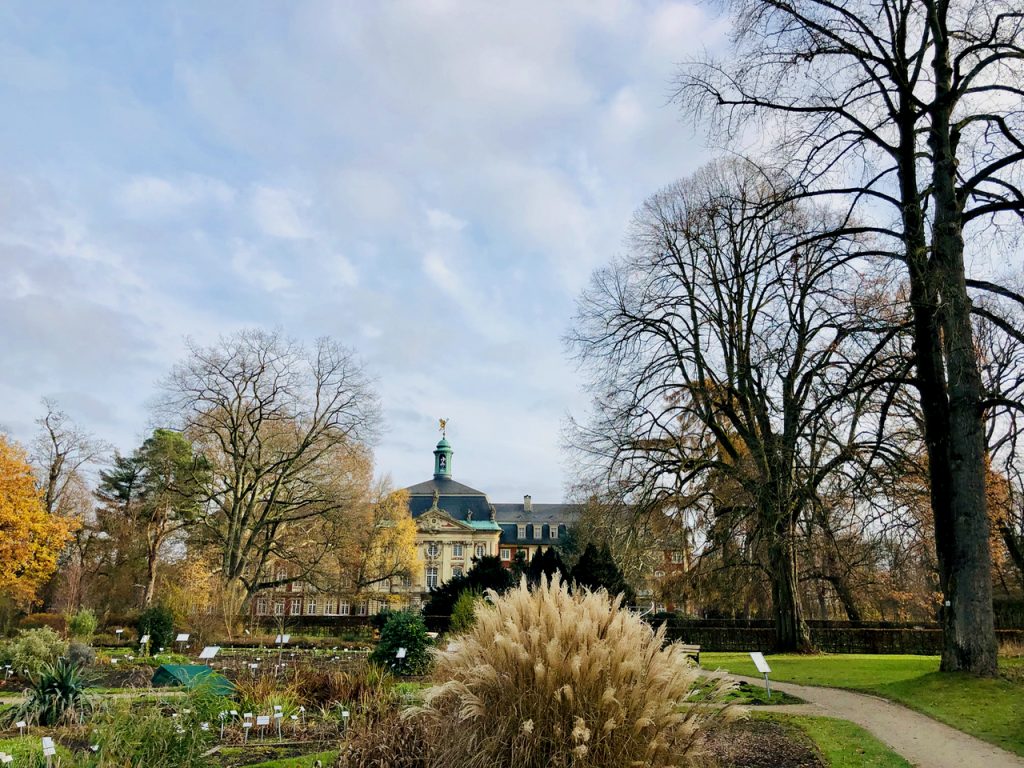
(762, 744)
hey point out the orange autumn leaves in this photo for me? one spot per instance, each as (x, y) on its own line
(30, 539)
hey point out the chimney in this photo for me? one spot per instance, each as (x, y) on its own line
(527, 503)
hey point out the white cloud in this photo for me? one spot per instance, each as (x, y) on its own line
(276, 212)
(146, 197)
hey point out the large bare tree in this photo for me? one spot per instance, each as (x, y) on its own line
(908, 114)
(720, 363)
(282, 430)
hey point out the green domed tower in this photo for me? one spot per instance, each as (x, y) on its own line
(443, 460)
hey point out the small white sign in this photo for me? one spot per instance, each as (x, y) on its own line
(282, 639)
(118, 631)
(400, 654)
(247, 715)
(144, 639)
(762, 666)
(182, 638)
(49, 750)
(20, 724)
(209, 652)
(262, 720)
(247, 724)
(204, 726)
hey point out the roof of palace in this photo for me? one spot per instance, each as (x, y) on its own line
(461, 502)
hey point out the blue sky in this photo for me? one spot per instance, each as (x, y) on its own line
(430, 183)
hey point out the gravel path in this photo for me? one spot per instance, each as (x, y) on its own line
(922, 741)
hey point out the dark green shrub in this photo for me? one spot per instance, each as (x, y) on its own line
(378, 620)
(158, 623)
(486, 573)
(56, 695)
(596, 569)
(464, 612)
(83, 625)
(403, 630)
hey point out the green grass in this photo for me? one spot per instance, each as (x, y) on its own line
(303, 761)
(991, 709)
(845, 745)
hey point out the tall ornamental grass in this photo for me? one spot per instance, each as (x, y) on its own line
(549, 679)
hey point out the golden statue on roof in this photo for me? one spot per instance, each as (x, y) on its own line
(444, 427)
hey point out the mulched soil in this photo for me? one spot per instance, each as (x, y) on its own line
(762, 744)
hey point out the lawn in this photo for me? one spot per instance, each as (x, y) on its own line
(845, 745)
(992, 710)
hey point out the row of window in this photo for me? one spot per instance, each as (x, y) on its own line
(458, 549)
(331, 607)
(538, 531)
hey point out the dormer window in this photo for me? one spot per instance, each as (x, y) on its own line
(538, 530)
(521, 531)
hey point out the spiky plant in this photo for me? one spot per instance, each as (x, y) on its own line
(56, 695)
(549, 679)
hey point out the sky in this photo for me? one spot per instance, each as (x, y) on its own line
(429, 183)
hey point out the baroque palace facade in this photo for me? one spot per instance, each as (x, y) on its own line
(454, 524)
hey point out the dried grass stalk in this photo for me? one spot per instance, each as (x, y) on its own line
(549, 679)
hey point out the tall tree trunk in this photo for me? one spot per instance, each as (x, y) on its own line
(791, 632)
(968, 618)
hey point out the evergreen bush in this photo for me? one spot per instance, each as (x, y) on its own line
(403, 630)
(158, 623)
(552, 679)
(463, 613)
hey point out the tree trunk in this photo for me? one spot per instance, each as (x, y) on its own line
(791, 632)
(968, 618)
(1015, 548)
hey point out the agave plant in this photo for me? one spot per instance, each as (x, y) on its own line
(56, 695)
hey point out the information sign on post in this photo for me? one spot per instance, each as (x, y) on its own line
(762, 666)
(182, 637)
(144, 640)
(400, 653)
(209, 652)
(282, 639)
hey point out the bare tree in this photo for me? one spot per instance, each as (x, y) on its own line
(714, 349)
(907, 113)
(282, 431)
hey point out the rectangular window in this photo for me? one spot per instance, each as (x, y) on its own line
(281, 574)
(520, 531)
(296, 607)
(261, 606)
(457, 571)
(553, 531)
(311, 607)
(362, 608)
(329, 606)
(481, 550)
(432, 549)
(279, 607)
(506, 553)
(407, 581)
(537, 530)
(677, 557)
(431, 577)
(457, 549)
(344, 609)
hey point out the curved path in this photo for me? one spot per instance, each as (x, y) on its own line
(922, 741)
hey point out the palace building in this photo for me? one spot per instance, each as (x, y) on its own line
(454, 524)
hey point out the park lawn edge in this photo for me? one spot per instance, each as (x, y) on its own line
(843, 744)
(1010, 740)
(300, 761)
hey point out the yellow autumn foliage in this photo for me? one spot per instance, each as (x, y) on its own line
(30, 539)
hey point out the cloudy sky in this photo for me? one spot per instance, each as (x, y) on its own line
(430, 183)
